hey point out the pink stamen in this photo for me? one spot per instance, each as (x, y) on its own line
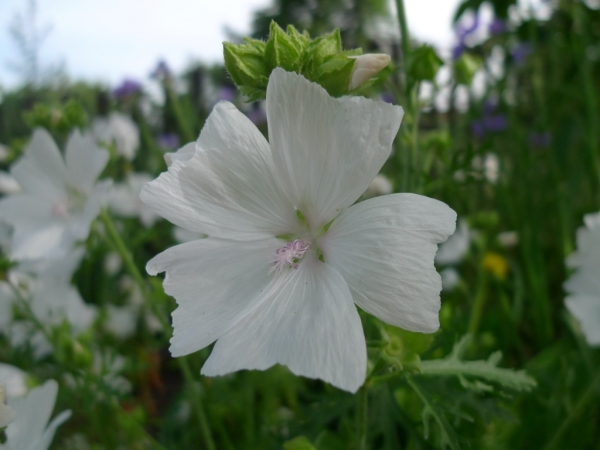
(289, 254)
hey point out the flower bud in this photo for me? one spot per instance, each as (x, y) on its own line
(366, 67)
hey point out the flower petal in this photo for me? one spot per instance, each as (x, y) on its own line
(586, 308)
(85, 161)
(384, 248)
(307, 322)
(326, 151)
(42, 169)
(216, 283)
(228, 188)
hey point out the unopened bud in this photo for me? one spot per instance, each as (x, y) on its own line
(366, 67)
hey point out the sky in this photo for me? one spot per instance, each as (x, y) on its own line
(109, 40)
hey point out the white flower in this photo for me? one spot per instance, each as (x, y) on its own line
(456, 247)
(59, 198)
(288, 256)
(450, 278)
(379, 186)
(119, 129)
(124, 199)
(182, 235)
(30, 430)
(8, 184)
(584, 285)
(366, 67)
(14, 380)
(7, 414)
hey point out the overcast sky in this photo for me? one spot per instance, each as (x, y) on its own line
(107, 40)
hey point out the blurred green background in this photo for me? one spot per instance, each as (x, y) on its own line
(505, 130)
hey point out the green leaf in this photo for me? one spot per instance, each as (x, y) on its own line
(486, 370)
(465, 68)
(299, 443)
(424, 63)
(448, 436)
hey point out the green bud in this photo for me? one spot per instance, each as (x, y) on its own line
(246, 64)
(282, 50)
(465, 68)
(424, 63)
(321, 60)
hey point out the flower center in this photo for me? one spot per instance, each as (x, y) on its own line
(289, 255)
(71, 202)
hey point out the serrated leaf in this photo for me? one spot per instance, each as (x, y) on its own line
(448, 437)
(487, 370)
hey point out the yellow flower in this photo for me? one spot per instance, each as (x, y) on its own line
(496, 264)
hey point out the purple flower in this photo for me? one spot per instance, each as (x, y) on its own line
(168, 140)
(388, 98)
(540, 139)
(226, 93)
(478, 128)
(458, 50)
(490, 120)
(461, 33)
(257, 114)
(496, 122)
(521, 52)
(497, 26)
(162, 71)
(127, 88)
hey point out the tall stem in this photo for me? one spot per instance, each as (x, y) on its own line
(199, 409)
(362, 417)
(587, 396)
(125, 254)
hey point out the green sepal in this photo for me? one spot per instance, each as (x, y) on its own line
(246, 64)
(335, 74)
(281, 50)
(424, 64)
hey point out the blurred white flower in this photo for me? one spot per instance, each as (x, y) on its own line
(288, 256)
(119, 129)
(4, 152)
(124, 199)
(456, 247)
(59, 197)
(31, 430)
(14, 380)
(112, 263)
(583, 286)
(45, 284)
(8, 184)
(508, 238)
(7, 414)
(450, 278)
(489, 165)
(380, 185)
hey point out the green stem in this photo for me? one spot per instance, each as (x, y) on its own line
(120, 247)
(189, 379)
(362, 417)
(587, 396)
(405, 38)
(479, 303)
(118, 244)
